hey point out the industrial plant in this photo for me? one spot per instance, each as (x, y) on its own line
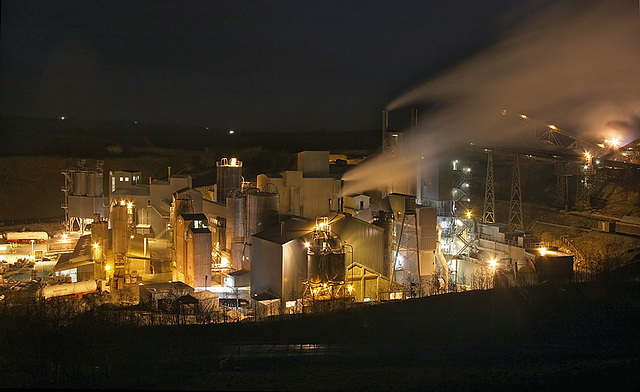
(297, 242)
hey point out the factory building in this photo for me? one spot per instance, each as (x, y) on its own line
(150, 203)
(83, 196)
(285, 263)
(310, 191)
(192, 251)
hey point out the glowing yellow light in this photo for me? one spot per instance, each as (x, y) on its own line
(131, 236)
(107, 267)
(493, 263)
(225, 262)
(524, 116)
(64, 236)
(543, 251)
(307, 245)
(553, 127)
(96, 246)
(350, 288)
(587, 154)
(121, 202)
(468, 214)
(233, 161)
(614, 142)
(129, 205)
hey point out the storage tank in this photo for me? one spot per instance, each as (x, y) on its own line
(77, 288)
(235, 218)
(98, 184)
(384, 219)
(120, 234)
(326, 267)
(228, 179)
(80, 183)
(326, 257)
(92, 184)
(262, 211)
(94, 187)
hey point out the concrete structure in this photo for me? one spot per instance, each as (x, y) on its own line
(311, 190)
(162, 295)
(280, 258)
(192, 250)
(84, 196)
(150, 203)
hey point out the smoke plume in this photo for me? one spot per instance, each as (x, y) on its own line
(575, 65)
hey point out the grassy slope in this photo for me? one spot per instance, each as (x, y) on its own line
(539, 337)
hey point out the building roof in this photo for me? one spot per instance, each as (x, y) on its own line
(193, 217)
(187, 299)
(65, 262)
(265, 297)
(239, 273)
(139, 190)
(166, 286)
(294, 227)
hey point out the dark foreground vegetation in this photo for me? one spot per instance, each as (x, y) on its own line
(574, 337)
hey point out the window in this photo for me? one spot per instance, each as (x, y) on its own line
(121, 179)
(126, 179)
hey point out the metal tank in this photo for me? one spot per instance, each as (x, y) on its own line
(229, 178)
(262, 211)
(384, 219)
(80, 183)
(119, 229)
(235, 218)
(94, 187)
(92, 184)
(326, 257)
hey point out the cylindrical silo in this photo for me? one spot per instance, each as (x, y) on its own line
(325, 259)
(80, 183)
(235, 219)
(97, 184)
(92, 184)
(229, 178)
(315, 267)
(119, 228)
(262, 211)
(384, 219)
(336, 269)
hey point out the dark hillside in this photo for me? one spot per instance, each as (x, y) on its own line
(538, 338)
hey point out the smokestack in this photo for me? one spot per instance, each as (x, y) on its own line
(385, 126)
(168, 172)
(281, 228)
(414, 119)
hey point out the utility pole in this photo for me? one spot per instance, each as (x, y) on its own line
(515, 205)
(488, 216)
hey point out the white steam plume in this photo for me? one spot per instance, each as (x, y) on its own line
(574, 64)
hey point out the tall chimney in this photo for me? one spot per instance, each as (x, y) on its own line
(168, 172)
(385, 126)
(414, 119)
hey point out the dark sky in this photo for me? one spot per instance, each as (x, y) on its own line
(246, 65)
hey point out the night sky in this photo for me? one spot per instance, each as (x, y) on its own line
(244, 65)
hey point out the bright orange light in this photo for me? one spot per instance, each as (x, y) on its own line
(543, 251)
(468, 214)
(524, 116)
(553, 127)
(493, 263)
(96, 246)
